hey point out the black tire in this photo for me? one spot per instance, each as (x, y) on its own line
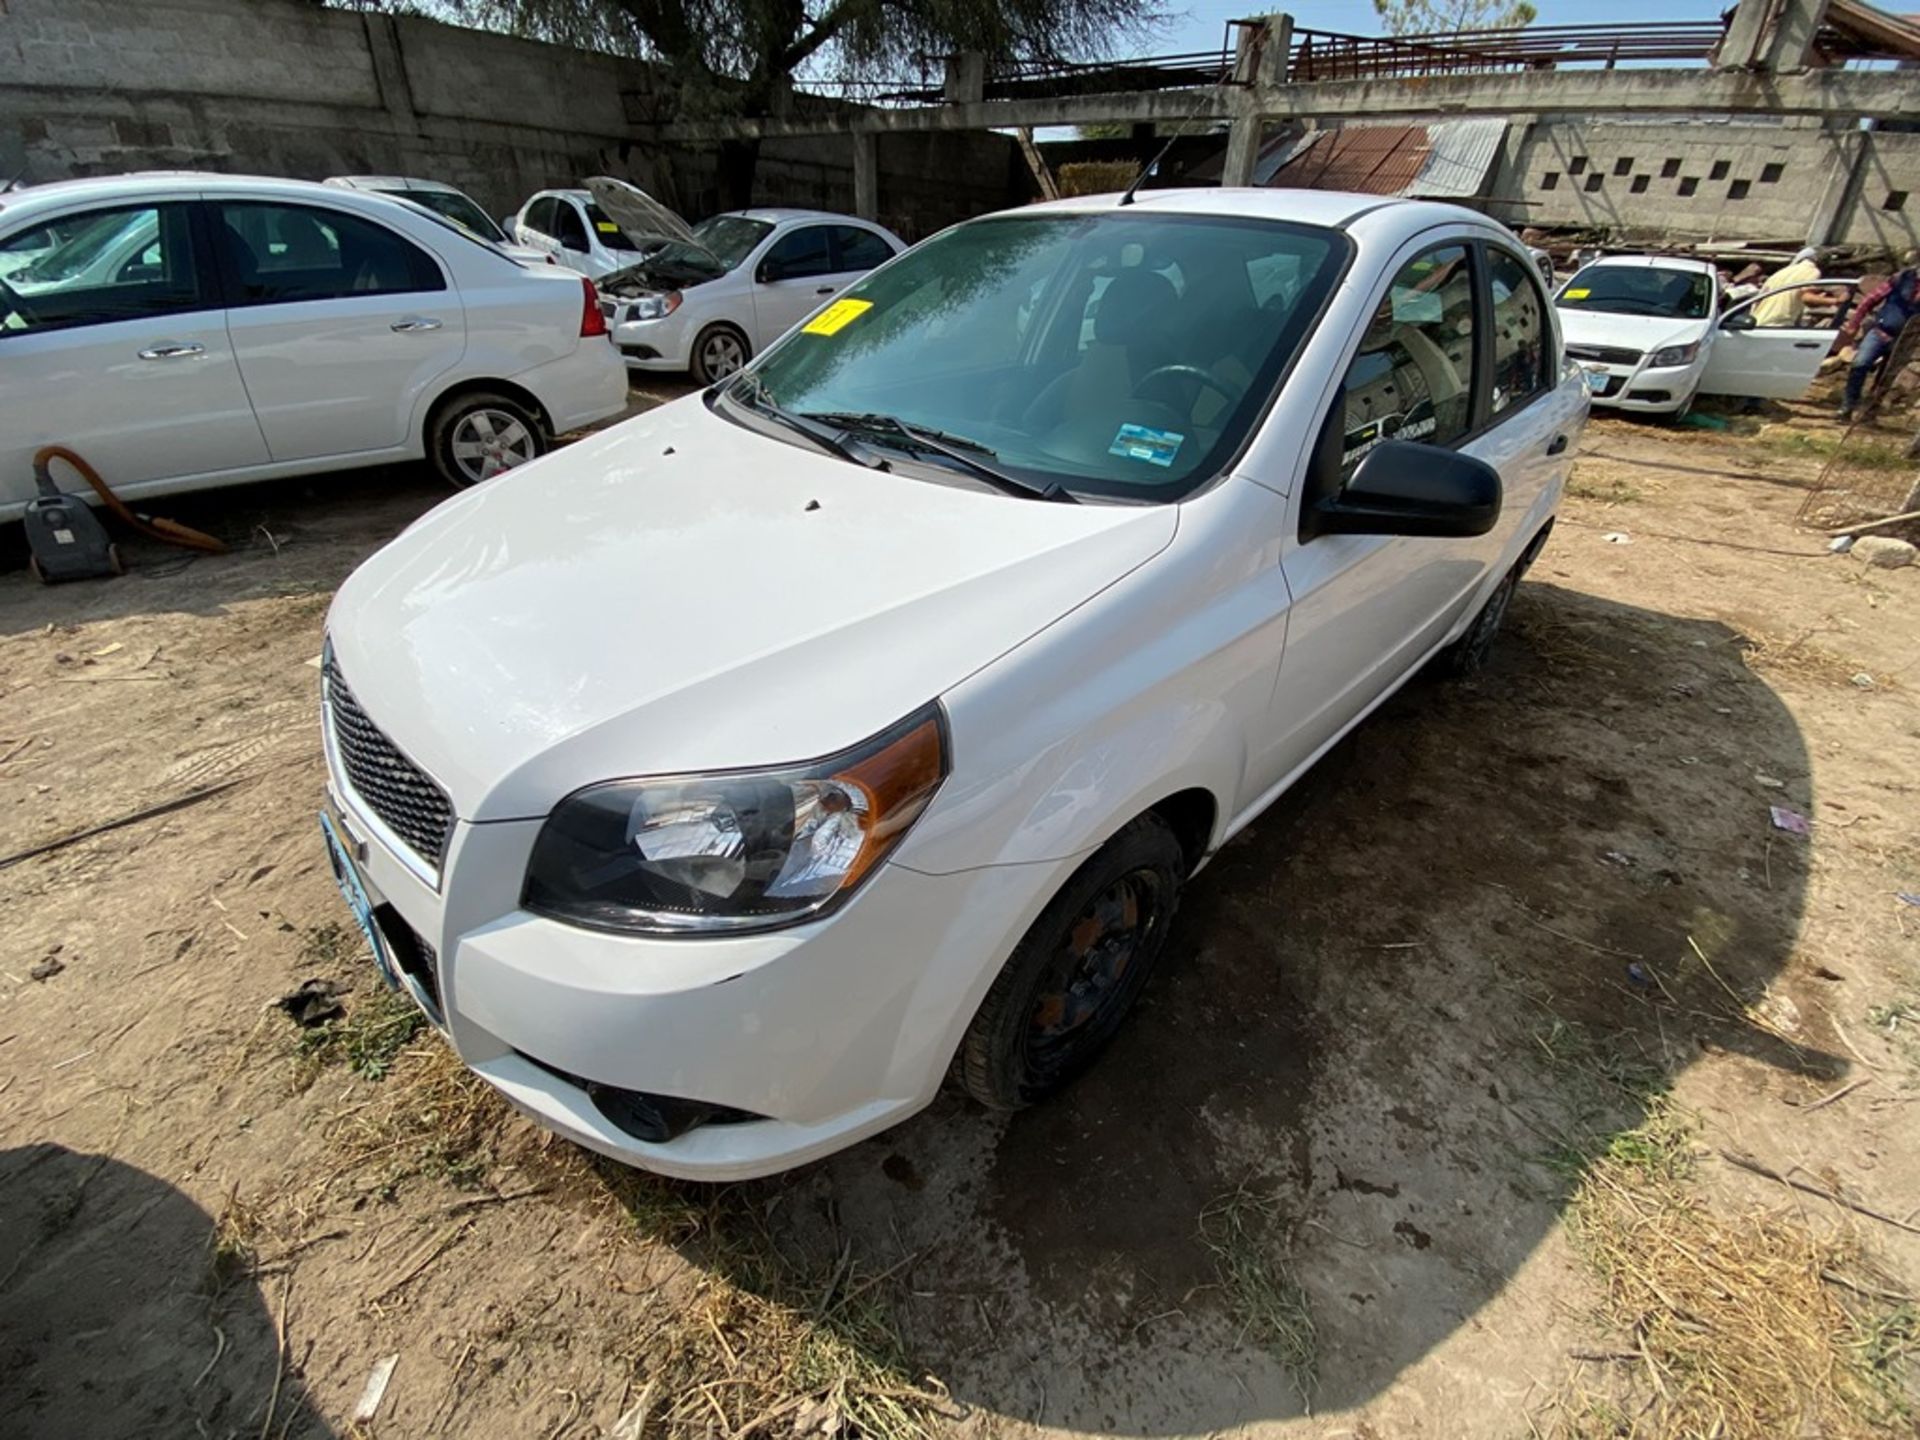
(1675, 417)
(480, 418)
(718, 351)
(1077, 971)
(1468, 654)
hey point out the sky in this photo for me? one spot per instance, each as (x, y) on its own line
(1204, 21)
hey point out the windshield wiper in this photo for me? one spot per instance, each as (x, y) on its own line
(749, 390)
(969, 455)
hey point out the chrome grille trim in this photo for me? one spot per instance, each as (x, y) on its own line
(1605, 354)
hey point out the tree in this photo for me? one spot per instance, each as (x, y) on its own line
(1448, 17)
(738, 57)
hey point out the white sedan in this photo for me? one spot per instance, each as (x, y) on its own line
(722, 783)
(1652, 333)
(448, 202)
(185, 331)
(748, 277)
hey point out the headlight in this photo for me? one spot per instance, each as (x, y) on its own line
(654, 307)
(1673, 355)
(738, 850)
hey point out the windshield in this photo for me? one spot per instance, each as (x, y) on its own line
(1122, 353)
(611, 235)
(729, 238)
(457, 208)
(1640, 290)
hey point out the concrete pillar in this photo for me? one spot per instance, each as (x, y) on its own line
(1243, 148)
(1743, 44)
(966, 80)
(1260, 50)
(866, 175)
(1793, 28)
(1851, 151)
(1773, 35)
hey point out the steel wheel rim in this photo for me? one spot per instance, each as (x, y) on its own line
(722, 355)
(1090, 978)
(490, 442)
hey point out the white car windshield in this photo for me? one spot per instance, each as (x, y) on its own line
(1124, 354)
(1640, 290)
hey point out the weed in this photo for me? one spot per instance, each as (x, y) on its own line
(231, 1249)
(1890, 1017)
(376, 1028)
(1241, 1229)
(1610, 492)
(1860, 454)
(329, 946)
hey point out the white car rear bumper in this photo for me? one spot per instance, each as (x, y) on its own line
(586, 385)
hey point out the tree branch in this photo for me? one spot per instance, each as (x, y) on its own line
(843, 14)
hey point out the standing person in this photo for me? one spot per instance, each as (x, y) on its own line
(1890, 305)
(1780, 306)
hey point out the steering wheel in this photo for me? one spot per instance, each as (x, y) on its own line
(1187, 372)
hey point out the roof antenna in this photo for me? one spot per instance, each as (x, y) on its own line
(1179, 134)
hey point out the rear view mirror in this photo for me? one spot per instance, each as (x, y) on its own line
(1402, 487)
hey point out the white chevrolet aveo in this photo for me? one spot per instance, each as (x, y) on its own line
(716, 783)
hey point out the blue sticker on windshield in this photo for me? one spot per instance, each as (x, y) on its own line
(1137, 442)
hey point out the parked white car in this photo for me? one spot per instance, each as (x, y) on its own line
(448, 202)
(749, 277)
(872, 710)
(569, 227)
(1652, 333)
(229, 329)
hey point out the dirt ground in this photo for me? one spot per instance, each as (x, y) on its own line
(1320, 1187)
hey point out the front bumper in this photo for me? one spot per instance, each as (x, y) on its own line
(660, 344)
(1641, 390)
(831, 1031)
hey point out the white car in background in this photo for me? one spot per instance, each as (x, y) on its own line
(447, 202)
(1652, 333)
(997, 597)
(747, 277)
(570, 228)
(230, 328)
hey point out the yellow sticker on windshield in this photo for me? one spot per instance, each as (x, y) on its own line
(836, 317)
(1575, 294)
(606, 227)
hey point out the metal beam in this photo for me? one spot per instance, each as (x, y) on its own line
(1837, 94)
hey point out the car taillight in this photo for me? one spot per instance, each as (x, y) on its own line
(592, 322)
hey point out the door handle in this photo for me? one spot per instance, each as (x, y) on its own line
(1807, 345)
(172, 350)
(1558, 446)
(412, 323)
(824, 290)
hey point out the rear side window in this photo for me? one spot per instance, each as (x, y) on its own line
(860, 249)
(1413, 378)
(273, 254)
(1519, 331)
(99, 267)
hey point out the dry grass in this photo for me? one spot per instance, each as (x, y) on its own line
(1779, 657)
(233, 1247)
(1243, 1231)
(1609, 491)
(1734, 1327)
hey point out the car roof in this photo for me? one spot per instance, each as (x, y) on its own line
(1334, 209)
(1653, 262)
(58, 194)
(392, 182)
(780, 214)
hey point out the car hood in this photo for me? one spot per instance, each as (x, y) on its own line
(1631, 332)
(680, 593)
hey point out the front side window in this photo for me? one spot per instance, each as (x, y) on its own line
(539, 217)
(1119, 354)
(570, 230)
(1520, 369)
(99, 267)
(273, 254)
(1640, 290)
(801, 254)
(1413, 378)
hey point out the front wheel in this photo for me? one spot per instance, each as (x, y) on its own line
(482, 434)
(1469, 653)
(1077, 972)
(718, 351)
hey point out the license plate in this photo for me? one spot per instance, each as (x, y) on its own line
(347, 876)
(1598, 379)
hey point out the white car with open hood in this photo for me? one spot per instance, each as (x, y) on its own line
(719, 782)
(1652, 333)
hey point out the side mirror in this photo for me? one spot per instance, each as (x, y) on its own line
(1739, 320)
(768, 272)
(1402, 487)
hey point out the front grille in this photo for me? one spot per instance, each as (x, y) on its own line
(392, 786)
(1604, 354)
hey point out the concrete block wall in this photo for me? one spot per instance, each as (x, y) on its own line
(281, 87)
(1714, 179)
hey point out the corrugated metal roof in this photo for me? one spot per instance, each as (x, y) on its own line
(1461, 159)
(1367, 159)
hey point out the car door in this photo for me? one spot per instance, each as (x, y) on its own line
(535, 227)
(339, 324)
(1367, 608)
(576, 248)
(793, 278)
(1776, 362)
(113, 343)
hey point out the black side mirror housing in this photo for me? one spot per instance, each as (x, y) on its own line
(1739, 320)
(767, 273)
(1402, 487)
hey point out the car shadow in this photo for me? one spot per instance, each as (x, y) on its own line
(122, 1314)
(1485, 934)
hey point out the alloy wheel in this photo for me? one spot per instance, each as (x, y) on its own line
(490, 442)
